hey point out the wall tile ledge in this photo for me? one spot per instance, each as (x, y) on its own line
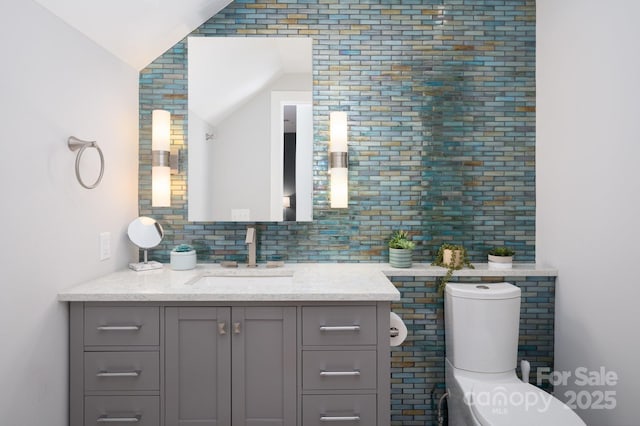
(479, 270)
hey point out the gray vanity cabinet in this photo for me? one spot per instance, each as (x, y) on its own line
(114, 364)
(197, 366)
(235, 364)
(263, 366)
(345, 365)
(228, 366)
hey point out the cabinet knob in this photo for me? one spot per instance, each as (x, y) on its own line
(222, 328)
(236, 328)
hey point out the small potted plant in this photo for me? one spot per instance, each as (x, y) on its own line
(400, 250)
(453, 257)
(183, 257)
(501, 258)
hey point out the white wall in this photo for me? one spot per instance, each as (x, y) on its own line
(55, 83)
(588, 189)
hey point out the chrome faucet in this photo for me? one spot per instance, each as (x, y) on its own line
(250, 241)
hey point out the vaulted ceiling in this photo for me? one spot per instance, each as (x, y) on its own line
(136, 31)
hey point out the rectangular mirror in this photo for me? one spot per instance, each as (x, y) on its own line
(250, 134)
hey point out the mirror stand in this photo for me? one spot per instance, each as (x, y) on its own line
(145, 265)
(145, 233)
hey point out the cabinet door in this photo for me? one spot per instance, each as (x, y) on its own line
(197, 360)
(264, 366)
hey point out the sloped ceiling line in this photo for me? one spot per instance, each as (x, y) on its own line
(135, 31)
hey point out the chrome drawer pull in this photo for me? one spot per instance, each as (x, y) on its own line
(340, 419)
(135, 373)
(105, 419)
(339, 373)
(119, 328)
(340, 328)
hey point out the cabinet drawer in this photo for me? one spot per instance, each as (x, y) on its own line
(323, 410)
(115, 410)
(339, 325)
(121, 371)
(117, 326)
(339, 370)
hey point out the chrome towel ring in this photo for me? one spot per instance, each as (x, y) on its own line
(76, 144)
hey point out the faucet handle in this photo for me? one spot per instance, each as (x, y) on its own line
(251, 247)
(251, 235)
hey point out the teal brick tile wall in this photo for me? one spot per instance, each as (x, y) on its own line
(417, 366)
(441, 104)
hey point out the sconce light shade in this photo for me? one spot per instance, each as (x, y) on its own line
(160, 130)
(338, 160)
(339, 188)
(160, 169)
(286, 202)
(338, 131)
(160, 186)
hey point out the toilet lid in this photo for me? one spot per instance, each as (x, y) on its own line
(519, 404)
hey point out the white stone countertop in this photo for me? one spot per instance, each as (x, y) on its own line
(301, 282)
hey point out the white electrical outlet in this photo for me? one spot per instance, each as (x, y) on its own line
(240, 215)
(105, 245)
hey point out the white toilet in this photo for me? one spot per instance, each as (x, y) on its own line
(482, 326)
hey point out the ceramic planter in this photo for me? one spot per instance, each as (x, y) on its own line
(400, 258)
(183, 260)
(500, 262)
(452, 258)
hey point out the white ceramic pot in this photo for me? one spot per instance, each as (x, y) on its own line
(500, 262)
(183, 260)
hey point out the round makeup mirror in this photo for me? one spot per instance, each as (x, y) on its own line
(146, 233)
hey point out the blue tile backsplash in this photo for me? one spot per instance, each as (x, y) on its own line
(441, 103)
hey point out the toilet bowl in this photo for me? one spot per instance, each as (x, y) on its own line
(502, 400)
(481, 329)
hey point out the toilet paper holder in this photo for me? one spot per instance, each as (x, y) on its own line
(397, 330)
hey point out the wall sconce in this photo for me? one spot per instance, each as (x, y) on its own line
(160, 149)
(338, 160)
(286, 202)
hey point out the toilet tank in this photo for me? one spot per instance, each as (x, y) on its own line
(482, 325)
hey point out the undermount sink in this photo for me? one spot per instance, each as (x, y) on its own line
(234, 280)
